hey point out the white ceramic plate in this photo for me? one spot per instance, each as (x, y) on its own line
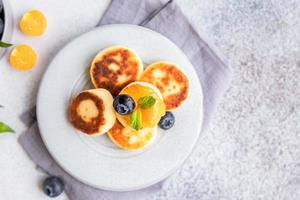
(96, 160)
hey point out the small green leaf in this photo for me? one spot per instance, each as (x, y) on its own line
(5, 128)
(5, 44)
(147, 102)
(136, 119)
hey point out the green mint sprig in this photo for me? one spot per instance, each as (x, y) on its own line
(5, 128)
(136, 119)
(5, 44)
(147, 102)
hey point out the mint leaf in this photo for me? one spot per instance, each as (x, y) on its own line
(136, 119)
(5, 44)
(5, 128)
(147, 102)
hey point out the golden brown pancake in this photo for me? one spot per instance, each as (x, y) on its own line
(91, 112)
(171, 81)
(129, 139)
(115, 67)
(150, 116)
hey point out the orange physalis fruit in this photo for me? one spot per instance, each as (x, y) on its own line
(33, 23)
(23, 57)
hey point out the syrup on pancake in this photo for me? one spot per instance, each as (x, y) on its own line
(130, 139)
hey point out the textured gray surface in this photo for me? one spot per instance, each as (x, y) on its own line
(252, 148)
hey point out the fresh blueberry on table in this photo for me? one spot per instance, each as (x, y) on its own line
(53, 186)
(167, 121)
(124, 104)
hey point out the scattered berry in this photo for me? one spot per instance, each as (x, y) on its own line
(53, 186)
(167, 121)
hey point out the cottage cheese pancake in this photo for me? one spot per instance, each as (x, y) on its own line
(171, 81)
(115, 67)
(129, 139)
(150, 116)
(91, 112)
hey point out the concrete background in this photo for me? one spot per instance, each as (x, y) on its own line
(251, 149)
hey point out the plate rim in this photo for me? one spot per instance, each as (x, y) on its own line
(170, 172)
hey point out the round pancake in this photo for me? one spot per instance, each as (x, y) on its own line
(129, 139)
(150, 116)
(91, 111)
(171, 81)
(115, 67)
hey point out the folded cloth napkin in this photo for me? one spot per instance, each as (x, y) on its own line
(166, 18)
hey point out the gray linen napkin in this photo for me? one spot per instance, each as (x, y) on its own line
(213, 73)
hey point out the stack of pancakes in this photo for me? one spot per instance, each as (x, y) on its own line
(112, 70)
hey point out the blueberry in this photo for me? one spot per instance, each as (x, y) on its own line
(124, 104)
(167, 121)
(53, 186)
